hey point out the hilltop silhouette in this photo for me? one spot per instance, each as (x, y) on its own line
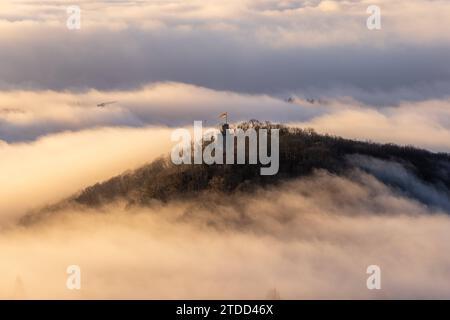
(301, 152)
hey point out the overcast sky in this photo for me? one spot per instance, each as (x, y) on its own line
(252, 46)
(171, 62)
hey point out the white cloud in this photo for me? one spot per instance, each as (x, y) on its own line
(311, 238)
(26, 115)
(57, 166)
(423, 124)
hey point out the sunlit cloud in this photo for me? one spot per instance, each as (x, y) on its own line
(54, 167)
(298, 239)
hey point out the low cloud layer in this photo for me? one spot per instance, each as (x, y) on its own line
(423, 124)
(57, 166)
(312, 238)
(27, 115)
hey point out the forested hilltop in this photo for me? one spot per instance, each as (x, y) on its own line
(301, 152)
